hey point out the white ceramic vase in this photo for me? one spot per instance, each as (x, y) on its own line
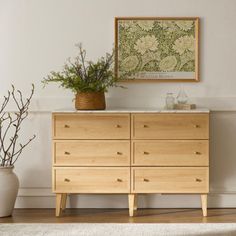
(9, 185)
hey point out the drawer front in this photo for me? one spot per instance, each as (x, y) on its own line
(92, 153)
(170, 126)
(91, 126)
(170, 153)
(170, 179)
(92, 180)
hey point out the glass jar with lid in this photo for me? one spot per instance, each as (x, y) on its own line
(182, 97)
(170, 101)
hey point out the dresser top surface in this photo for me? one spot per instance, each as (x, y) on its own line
(133, 110)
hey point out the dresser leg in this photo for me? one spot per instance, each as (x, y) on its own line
(204, 204)
(58, 204)
(136, 202)
(63, 202)
(131, 204)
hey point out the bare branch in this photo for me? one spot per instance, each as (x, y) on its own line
(17, 154)
(21, 99)
(10, 123)
(5, 102)
(14, 97)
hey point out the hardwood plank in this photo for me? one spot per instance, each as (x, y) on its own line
(121, 216)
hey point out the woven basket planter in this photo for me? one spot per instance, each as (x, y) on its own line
(90, 101)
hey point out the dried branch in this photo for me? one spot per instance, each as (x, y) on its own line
(14, 97)
(17, 154)
(10, 124)
(4, 104)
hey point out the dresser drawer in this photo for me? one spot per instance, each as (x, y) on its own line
(170, 126)
(92, 153)
(170, 153)
(91, 126)
(170, 179)
(92, 180)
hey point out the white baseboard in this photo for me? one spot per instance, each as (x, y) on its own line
(44, 198)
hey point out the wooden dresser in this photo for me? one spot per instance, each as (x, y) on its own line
(130, 152)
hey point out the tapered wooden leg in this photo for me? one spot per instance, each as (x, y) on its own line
(135, 202)
(131, 204)
(58, 204)
(204, 204)
(63, 203)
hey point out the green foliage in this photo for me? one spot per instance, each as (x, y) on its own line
(80, 75)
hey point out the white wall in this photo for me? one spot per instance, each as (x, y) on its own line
(36, 36)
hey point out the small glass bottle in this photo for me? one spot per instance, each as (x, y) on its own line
(170, 101)
(182, 97)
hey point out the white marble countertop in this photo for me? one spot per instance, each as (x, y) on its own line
(133, 110)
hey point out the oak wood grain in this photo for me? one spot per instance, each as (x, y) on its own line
(170, 153)
(170, 180)
(91, 153)
(170, 126)
(91, 126)
(180, 215)
(92, 179)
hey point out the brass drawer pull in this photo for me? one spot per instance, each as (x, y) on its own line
(146, 153)
(196, 126)
(67, 153)
(66, 126)
(67, 180)
(145, 126)
(198, 180)
(146, 180)
(119, 180)
(119, 153)
(118, 126)
(197, 153)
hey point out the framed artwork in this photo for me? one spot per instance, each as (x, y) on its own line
(157, 48)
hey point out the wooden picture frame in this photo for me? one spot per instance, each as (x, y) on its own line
(157, 49)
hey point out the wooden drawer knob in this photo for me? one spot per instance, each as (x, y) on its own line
(196, 126)
(67, 153)
(66, 126)
(146, 153)
(198, 180)
(66, 180)
(145, 126)
(118, 126)
(119, 180)
(197, 153)
(146, 180)
(119, 153)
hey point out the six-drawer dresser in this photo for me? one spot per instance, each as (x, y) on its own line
(130, 152)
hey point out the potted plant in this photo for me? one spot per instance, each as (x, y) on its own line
(10, 147)
(87, 80)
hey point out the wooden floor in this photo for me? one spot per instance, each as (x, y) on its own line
(121, 216)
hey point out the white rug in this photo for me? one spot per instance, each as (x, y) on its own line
(111, 229)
